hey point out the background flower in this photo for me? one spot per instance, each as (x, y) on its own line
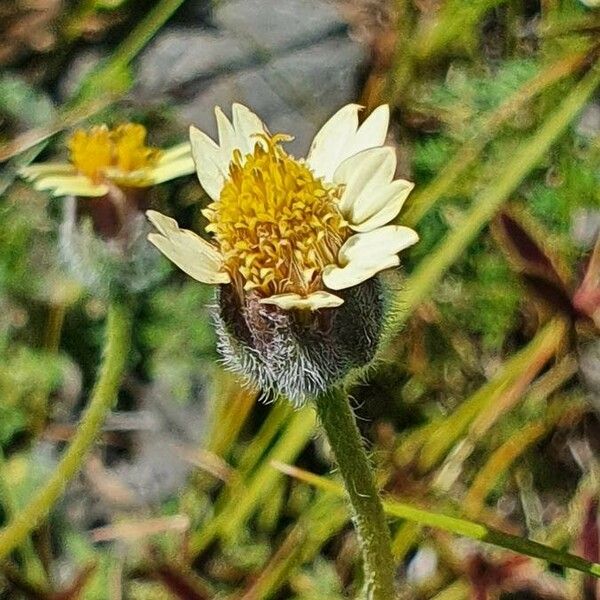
(106, 184)
(101, 157)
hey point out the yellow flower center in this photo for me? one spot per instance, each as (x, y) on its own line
(112, 153)
(277, 224)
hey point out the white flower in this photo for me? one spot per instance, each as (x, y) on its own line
(291, 232)
(101, 157)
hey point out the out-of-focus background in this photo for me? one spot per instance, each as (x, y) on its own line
(485, 405)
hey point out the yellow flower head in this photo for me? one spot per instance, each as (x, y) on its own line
(101, 157)
(276, 224)
(291, 230)
(101, 153)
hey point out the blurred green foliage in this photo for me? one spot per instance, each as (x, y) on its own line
(450, 388)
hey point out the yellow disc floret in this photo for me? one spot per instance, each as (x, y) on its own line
(277, 224)
(118, 154)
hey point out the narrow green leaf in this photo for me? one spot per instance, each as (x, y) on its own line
(458, 526)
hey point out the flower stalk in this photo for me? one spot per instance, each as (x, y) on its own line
(338, 421)
(102, 400)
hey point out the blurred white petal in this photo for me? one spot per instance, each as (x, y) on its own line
(34, 171)
(175, 153)
(70, 185)
(172, 170)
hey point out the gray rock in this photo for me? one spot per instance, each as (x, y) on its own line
(279, 24)
(158, 471)
(585, 227)
(158, 468)
(423, 566)
(588, 124)
(293, 123)
(589, 368)
(180, 56)
(77, 70)
(250, 88)
(289, 60)
(294, 93)
(318, 79)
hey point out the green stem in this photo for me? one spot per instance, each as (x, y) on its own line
(103, 398)
(32, 566)
(339, 424)
(108, 76)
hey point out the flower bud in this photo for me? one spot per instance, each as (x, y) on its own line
(298, 353)
(112, 265)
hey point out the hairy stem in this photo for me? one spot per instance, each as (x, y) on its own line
(103, 398)
(339, 424)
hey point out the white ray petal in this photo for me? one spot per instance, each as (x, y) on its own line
(227, 135)
(188, 251)
(379, 206)
(70, 185)
(211, 167)
(341, 138)
(247, 125)
(369, 247)
(363, 173)
(340, 278)
(365, 254)
(313, 301)
(172, 169)
(372, 132)
(328, 146)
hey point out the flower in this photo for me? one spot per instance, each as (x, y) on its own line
(295, 245)
(293, 231)
(111, 170)
(103, 157)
